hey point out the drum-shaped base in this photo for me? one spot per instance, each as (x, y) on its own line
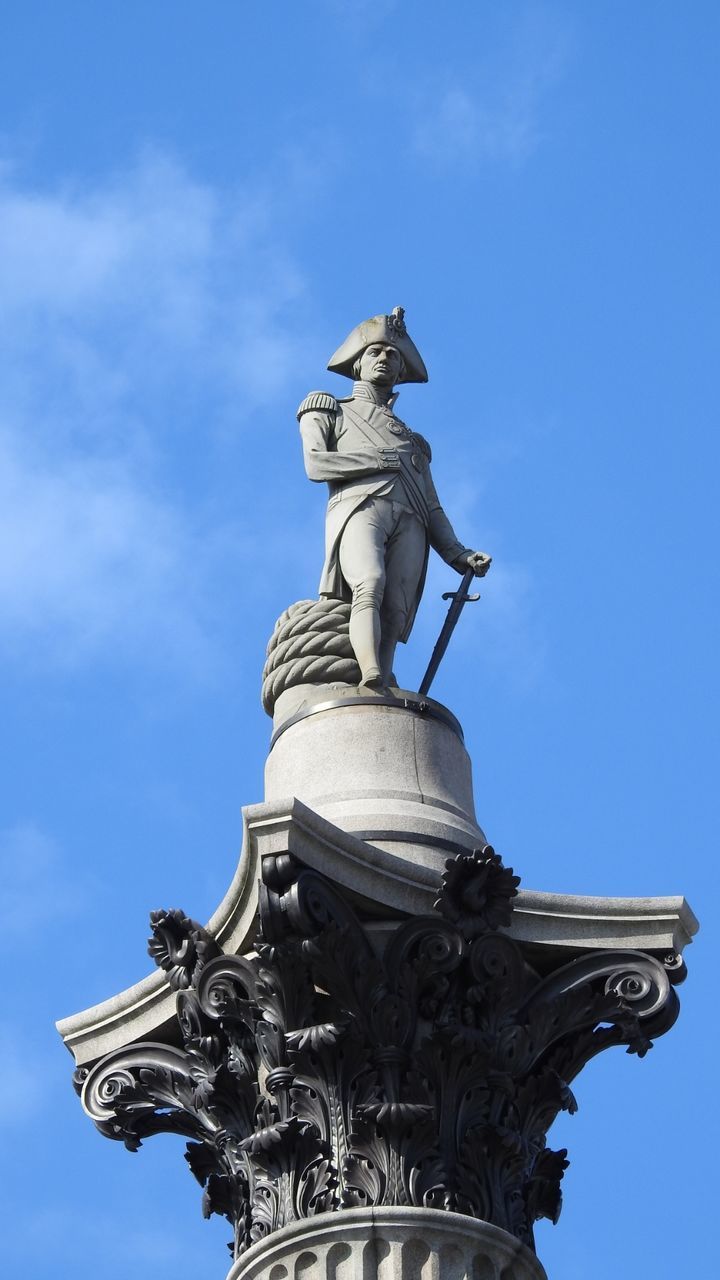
(392, 771)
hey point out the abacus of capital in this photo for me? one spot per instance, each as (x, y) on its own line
(367, 1044)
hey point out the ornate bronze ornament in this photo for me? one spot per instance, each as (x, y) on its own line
(338, 1067)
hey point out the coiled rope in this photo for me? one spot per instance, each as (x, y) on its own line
(309, 645)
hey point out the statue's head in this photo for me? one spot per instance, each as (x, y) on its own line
(380, 363)
(380, 350)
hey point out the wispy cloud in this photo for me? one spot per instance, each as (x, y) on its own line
(133, 313)
(149, 271)
(369, 12)
(90, 558)
(461, 128)
(498, 116)
(503, 632)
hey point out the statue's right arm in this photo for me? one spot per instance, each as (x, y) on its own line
(323, 460)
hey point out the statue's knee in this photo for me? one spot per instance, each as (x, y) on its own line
(368, 594)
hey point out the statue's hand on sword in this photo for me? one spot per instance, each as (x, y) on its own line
(478, 561)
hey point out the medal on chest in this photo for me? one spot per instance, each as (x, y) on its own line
(396, 425)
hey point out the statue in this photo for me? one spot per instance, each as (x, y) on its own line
(383, 512)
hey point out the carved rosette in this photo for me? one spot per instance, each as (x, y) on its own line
(323, 1073)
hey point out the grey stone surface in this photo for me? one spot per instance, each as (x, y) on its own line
(554, 922)
(300, 699)
(386, 773)
(306, 700)
(389, 1244)
(383, 513)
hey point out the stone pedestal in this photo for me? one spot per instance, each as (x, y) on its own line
(389, 1244)
(392, 771)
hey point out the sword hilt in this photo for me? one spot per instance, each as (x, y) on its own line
(461, 596)
(458, 595)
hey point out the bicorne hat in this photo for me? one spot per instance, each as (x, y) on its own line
(390, 329)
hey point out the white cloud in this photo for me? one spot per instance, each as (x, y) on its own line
(502, 632)
(148, 275)
(368, 12)
(88, 559)
(141, 309)
(497, 117)
(460, 128)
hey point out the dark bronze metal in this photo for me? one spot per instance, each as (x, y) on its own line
(315, 1074)
(459, 599)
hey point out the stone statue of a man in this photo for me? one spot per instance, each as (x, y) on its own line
(384, 512)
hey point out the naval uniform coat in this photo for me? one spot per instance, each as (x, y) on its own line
(362, 450)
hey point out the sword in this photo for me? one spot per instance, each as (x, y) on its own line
(458, 599)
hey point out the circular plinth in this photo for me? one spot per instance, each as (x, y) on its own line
(389, 1244)
(391, 770)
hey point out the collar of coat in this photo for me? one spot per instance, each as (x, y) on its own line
(368, 391)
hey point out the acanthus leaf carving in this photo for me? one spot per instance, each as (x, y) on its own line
(317, 1073)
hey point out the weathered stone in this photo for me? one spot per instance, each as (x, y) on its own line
(391, 771)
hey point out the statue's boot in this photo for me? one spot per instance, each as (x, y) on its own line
(373, 680)
(365, 640)
(388, 644)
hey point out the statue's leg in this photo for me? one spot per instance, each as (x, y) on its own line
(362, 563)
(404, 562)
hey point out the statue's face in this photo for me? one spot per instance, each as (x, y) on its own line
(380, 363)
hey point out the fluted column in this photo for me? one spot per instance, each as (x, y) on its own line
(389, 1244)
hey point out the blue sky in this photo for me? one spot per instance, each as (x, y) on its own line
(196, 204)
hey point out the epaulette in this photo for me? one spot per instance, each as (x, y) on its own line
(317, 400)
(424, 445)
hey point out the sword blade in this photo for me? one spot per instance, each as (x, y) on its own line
(459, 599)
